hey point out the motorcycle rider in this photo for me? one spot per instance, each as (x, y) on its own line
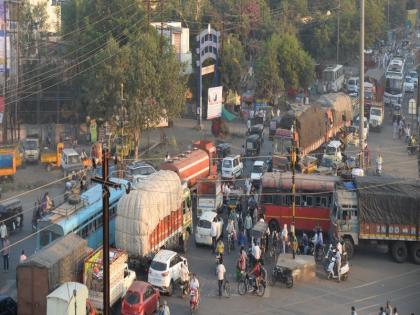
(411, 147)
(195, 285)
(256, 272)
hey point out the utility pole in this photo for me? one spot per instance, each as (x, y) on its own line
(338, 30)
(362, 84)
(389, 26)
(161, 26)
(5, 115)
(418, 129)
(106, 184)
(148, 12)
(293, 159)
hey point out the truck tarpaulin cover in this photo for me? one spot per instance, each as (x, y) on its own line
(388, 200)
(340, 104)
(139, 212)
(311, 126)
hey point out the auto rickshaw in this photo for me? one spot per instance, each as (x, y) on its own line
(258, 130)
(253, 145)
(233, 199)
(52, 157)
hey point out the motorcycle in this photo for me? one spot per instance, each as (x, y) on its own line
(248, 284)
(283, 275)
(344, 269)
(194, 300)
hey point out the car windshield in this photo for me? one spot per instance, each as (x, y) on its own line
(413, 74)
(158, 266)
(29, 145)
(132, 297)
(330, 151)
(375, 112)
(257, 169)
(352, 82)
(204, 224)
(408, 80)
(73, 159)
(327, 163)
(227, 164)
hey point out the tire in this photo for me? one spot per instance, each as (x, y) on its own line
(399, 251)
(348, 244)
(171, 288)
(260, 290)
(242, 287)
(415, 252)
(227, 289)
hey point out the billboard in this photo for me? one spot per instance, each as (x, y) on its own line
(4, 40)
(214, 102)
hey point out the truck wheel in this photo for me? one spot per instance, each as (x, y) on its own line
(415, 252)
(348, 243)
(399, 252)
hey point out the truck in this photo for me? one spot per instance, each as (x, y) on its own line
(120, 277)
(31, 148)
(70, 161)
(48, 268)
(209, 195)
(379, 211)
(376, 115)
(70, 298)
(311, 126)
(156, 213)
(7, 164)
(193, 165)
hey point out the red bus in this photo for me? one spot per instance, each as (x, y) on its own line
(313, 200)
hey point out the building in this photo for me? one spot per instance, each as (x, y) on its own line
(53, 10)
(179, 37)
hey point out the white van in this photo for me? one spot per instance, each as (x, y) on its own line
(232, 167)
(333, 151)
(203, 231)
(365, 128)
(353, 85)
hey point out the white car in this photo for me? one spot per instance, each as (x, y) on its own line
(257, 171)
(353, 85)
(165, 270)
(414, 76)
(203, 230)
(408, 84)
(232, 167)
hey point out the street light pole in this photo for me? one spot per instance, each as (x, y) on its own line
(293, 158)
(338, 29)
(362, 83)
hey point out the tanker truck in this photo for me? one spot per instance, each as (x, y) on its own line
(379, 211)
(156, 214)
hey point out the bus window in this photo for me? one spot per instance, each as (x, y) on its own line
(309, 201)
(288, 200)
(297, 200)
(323, 201)
(317, 201)
(268, 198)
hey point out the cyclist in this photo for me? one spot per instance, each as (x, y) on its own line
(230, 229)
(256, 272)
(220, 249)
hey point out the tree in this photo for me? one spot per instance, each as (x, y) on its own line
(233, 63)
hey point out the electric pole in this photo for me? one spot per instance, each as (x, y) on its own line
(293, 159)
(338, 30)
(5, 111)
(362, 84)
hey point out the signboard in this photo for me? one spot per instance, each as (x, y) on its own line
(207, 70)
(214, 103)
(412, 107)
(4, 40)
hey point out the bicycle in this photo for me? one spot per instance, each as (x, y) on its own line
(226, 288)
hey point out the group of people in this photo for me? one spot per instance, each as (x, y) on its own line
(41, 208)
(5, 248)
(387, 310)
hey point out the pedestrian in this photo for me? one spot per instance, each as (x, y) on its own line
(248, 126)
(305, 243)
(284, 238)
(256, 252)
(395, 312)
(164, 309)
(221, 270)
(407, 133)
(3, 231)
(395, 129)
(353, 311)
(213, 233)
(242, 239)
(248, 226)
(22, 257)
(338, 263)
(5, 253)
(381, 311)
(278, 112)
(294, 243)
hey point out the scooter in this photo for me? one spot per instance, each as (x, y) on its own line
(344, 269)
(282, 274)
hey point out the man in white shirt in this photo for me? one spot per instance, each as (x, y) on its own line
(221, 270)
(339, 247)
(213, 233)
(256, 252)
(3, 231)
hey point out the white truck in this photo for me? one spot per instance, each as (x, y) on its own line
(70, 298)
(376, 116)
(121, 278)
(31, 149)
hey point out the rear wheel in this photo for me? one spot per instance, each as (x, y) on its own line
(226, 289)
(242, 287)
(399, 251)
(260, 290)
(415, 252)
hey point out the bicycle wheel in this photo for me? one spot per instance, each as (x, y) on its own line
(226, 289)
(242, 287)
(260, 290)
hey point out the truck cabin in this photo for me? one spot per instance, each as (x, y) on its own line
(282, 142)
(274, 124)
(9, 211)
(211, 151)
(257, 130)
(344, 211)
(333, 151)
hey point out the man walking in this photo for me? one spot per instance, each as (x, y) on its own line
(353, 311)
(3, 231)
(221, 270)
(248, 226)
(5, 253)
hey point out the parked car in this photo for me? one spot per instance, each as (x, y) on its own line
(203, 231)
(414, 76)
(352, 85)
(232, 167)
(408, 84)
(139, 170)
(165, 270)
(140, 299)
(257, 171)
(8, 306)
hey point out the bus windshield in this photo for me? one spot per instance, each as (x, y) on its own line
(281, 145)
(393, 86)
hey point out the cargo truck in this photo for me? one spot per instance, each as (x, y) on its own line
(379, 211)
(45, 270)
(7, 164)
(209, 195)
(157, 213)
(31, 148)
(120, 277)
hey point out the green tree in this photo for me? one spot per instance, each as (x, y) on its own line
(233, 63)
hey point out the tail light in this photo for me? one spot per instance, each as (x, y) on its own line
(164, 274)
